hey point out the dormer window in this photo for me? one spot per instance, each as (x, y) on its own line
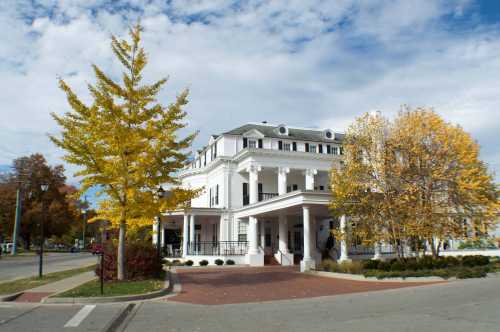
(283, 130)
(328, 134)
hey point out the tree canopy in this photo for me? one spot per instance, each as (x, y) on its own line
(127, 142)
(415, 180)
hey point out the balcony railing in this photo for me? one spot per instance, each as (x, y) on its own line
(218, 248)
(266, 196)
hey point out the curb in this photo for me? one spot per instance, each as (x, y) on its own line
(358, 277)
(10, 297)
(113, 299)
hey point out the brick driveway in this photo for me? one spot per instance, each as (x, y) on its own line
(243, 285)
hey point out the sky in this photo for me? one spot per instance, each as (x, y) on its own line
(302, 63)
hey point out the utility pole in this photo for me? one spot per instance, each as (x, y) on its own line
(17, 222)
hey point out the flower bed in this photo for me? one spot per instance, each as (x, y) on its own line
(444, 267)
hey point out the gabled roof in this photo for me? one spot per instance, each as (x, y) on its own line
(303, 134)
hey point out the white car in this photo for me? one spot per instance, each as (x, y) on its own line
(6, 247)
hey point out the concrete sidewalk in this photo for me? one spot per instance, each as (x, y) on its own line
(38, 293)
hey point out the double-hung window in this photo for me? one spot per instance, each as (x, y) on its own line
(242, 231)
(252, 143)
(286, 146)
(312, 148)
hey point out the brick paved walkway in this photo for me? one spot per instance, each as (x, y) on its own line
(243, 285)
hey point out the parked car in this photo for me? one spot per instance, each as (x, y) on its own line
(6, 247)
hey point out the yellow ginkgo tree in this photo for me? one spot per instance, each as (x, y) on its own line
(127, 143)
(414, 181)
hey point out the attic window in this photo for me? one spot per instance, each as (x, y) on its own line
(328, 134)
(283, 130)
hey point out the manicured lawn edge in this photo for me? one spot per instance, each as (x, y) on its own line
(9, 288)
(167, 288)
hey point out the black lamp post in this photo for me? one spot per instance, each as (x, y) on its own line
(44, 187)
(159, 196)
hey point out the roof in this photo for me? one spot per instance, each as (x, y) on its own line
(304, 134)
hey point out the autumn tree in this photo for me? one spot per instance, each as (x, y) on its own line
(30, 172)
(126, 142)
(412, 181)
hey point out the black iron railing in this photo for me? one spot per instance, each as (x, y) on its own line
(218, 248)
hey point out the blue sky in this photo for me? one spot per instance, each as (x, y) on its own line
(304, 63)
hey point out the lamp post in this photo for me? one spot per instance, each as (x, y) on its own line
(159, 196)
(44, 187)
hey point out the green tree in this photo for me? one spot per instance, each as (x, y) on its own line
(126, 142)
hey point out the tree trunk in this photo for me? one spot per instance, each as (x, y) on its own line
(121, 251)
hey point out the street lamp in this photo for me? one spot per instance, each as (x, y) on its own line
(44, 187)
(159, 196)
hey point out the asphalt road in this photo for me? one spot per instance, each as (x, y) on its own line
(27, 266)
(470, 305)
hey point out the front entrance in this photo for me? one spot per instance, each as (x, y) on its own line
(172, 242)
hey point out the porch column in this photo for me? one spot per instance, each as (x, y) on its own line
(344, 254)
(252, 236)
(191, 228)
(262, 234)
(282, 173)
(253, 183)
(377, 250)
(307, 262)
(310, 173)
(185, 235)
(156, 229)
(283, 234)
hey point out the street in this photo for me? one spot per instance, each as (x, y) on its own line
(467, 305)
(27, 266)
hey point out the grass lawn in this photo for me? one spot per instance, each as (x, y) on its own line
(115, 288)
(19, 285)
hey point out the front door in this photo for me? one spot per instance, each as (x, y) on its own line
(298, 241)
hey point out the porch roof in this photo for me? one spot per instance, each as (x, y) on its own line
(289, 204)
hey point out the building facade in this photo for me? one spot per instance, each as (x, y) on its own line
(265, 199)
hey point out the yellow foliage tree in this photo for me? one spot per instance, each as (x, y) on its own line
(126, 143)
(413, 181)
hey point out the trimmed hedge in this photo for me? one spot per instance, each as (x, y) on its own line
(219, 262)
(229, 262)
(204, 262)
(426, 263)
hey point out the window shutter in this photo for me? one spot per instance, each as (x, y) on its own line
(260, 143)
(328, 149)
(294, 146)
(210, 197)
(341, 150)
(215, 150)
(307, 147)
(320, 148)
(280, 145)
(217, 195)
(260, 187)
(245, 189)
(245, 142)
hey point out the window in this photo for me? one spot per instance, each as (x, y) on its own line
(307, 147)
(214, 233)
(295, 187)
(286, 146)
(328, 134)
(252, 144)
(242, 231)
(335, 150)
(328, 149)
(280, 145)
(261, 143)
(205, 159)
(217, 195)
(312, 148)
(245, 142)
(282, 130)
(215, 150)
(341, 149)
(321, 188)
(320, 148)
(294, 146)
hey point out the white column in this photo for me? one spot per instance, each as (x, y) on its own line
(307, 262)
(313, 236)
(191, 229)
(185, 235)
(156, 229)
(283, 234)
(377, 250)
(307, 233)
(253, 183)
(252, 236)
(344, 254)
(282, 174)
(222, 229)
(310, 173)
(262, 234)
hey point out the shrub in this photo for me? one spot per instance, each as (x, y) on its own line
(219, 262)
(229, 262)
(370, 264)
(344, 267)
(204, 262)
(471, 273)
(188, 263)
(397, 266)
(384, 266)
(452, 261)
(471, 261)
(141, 261)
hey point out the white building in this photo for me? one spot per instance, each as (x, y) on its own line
(265, 198)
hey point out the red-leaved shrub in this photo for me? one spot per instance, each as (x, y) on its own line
(141, 261)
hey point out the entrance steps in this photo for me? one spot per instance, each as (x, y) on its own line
(270, 260)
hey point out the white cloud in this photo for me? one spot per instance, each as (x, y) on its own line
(307, 63)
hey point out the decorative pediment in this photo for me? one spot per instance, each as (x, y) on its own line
(253, 133)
